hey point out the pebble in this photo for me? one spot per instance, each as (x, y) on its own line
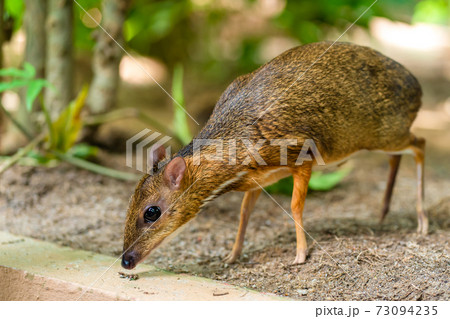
(302, 292)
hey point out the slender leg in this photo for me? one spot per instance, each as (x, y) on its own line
(248, 203)
(394, 162)
(301, 180)
(418, 147)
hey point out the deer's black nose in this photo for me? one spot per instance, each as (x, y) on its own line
(129, 260)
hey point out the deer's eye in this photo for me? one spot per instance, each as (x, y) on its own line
(152, 214)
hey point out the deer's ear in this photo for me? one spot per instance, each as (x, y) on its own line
(174, 172)
(155, 155)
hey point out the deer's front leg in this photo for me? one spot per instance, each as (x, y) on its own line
(248, 203)
(301, 179)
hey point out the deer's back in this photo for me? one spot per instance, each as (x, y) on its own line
(348, 98)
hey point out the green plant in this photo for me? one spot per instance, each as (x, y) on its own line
(65, 131)
(22, 78)
(321, 181)
(14, 9)
(57, 141)
(180, 121)
(432, 11)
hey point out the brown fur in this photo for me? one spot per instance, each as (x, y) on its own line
(352, 98)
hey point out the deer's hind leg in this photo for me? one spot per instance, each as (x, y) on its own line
(394, 162)
(418, 148)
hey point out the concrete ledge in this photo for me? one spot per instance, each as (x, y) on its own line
(37, 270)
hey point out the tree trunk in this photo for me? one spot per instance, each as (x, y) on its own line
(59, 60)
(2, 33)
(2, 39)
(103, 93)
(34, 23)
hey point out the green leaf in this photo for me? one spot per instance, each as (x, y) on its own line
(283, 186)
(14, 7)
(68, 125)
(83, 150)
(14, 72)
(51, 137)
(5, 86)
(180, 123)
(28, 72)
(33, 90)
(325, 181)
(40, 159)
(432, 11)
(22, 78)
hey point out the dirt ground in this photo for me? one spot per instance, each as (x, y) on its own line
(351, 256)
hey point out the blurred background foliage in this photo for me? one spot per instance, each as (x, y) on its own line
(206, 34)
(200, 46)
(200, 32)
